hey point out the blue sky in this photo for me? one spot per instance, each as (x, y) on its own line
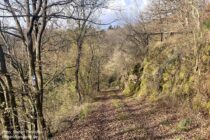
(122, 10)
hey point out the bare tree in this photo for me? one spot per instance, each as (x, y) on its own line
(8, 103)
(28, 22)
(85, 10)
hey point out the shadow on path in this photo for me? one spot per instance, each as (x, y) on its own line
(121, 118)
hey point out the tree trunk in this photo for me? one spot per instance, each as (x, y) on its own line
(41, 121)
(79, 53)
(5, 117)
(8, 92)
(98, 77)
(36, 84)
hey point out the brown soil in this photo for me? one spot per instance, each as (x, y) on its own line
(122, 118)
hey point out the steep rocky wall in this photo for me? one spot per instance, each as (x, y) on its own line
(172, 70)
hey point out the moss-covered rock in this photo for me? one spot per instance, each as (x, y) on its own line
(170, 68)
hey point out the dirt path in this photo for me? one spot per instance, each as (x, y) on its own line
(120, 118)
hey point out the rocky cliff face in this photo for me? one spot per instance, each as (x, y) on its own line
(174, 69)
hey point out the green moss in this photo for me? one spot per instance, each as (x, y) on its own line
(178, 138)
(71, 87)
(199, 103)
(166, 76)
(117, 104)
(130, 89)
(205, 58)
(167, 87)
(153, 98)
(127, 91)
(144, 88)
(154, 91)
(84, 111)
(184, 125)
(208, 106)
(192, 79)
(207, 24)
(182, 74)
(186, 88)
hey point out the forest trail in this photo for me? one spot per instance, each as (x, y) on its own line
(117, 117)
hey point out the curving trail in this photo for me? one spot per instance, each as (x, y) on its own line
(119, 118)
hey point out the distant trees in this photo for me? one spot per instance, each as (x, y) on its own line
(110, 27)
(175, 15)
(165, 18)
